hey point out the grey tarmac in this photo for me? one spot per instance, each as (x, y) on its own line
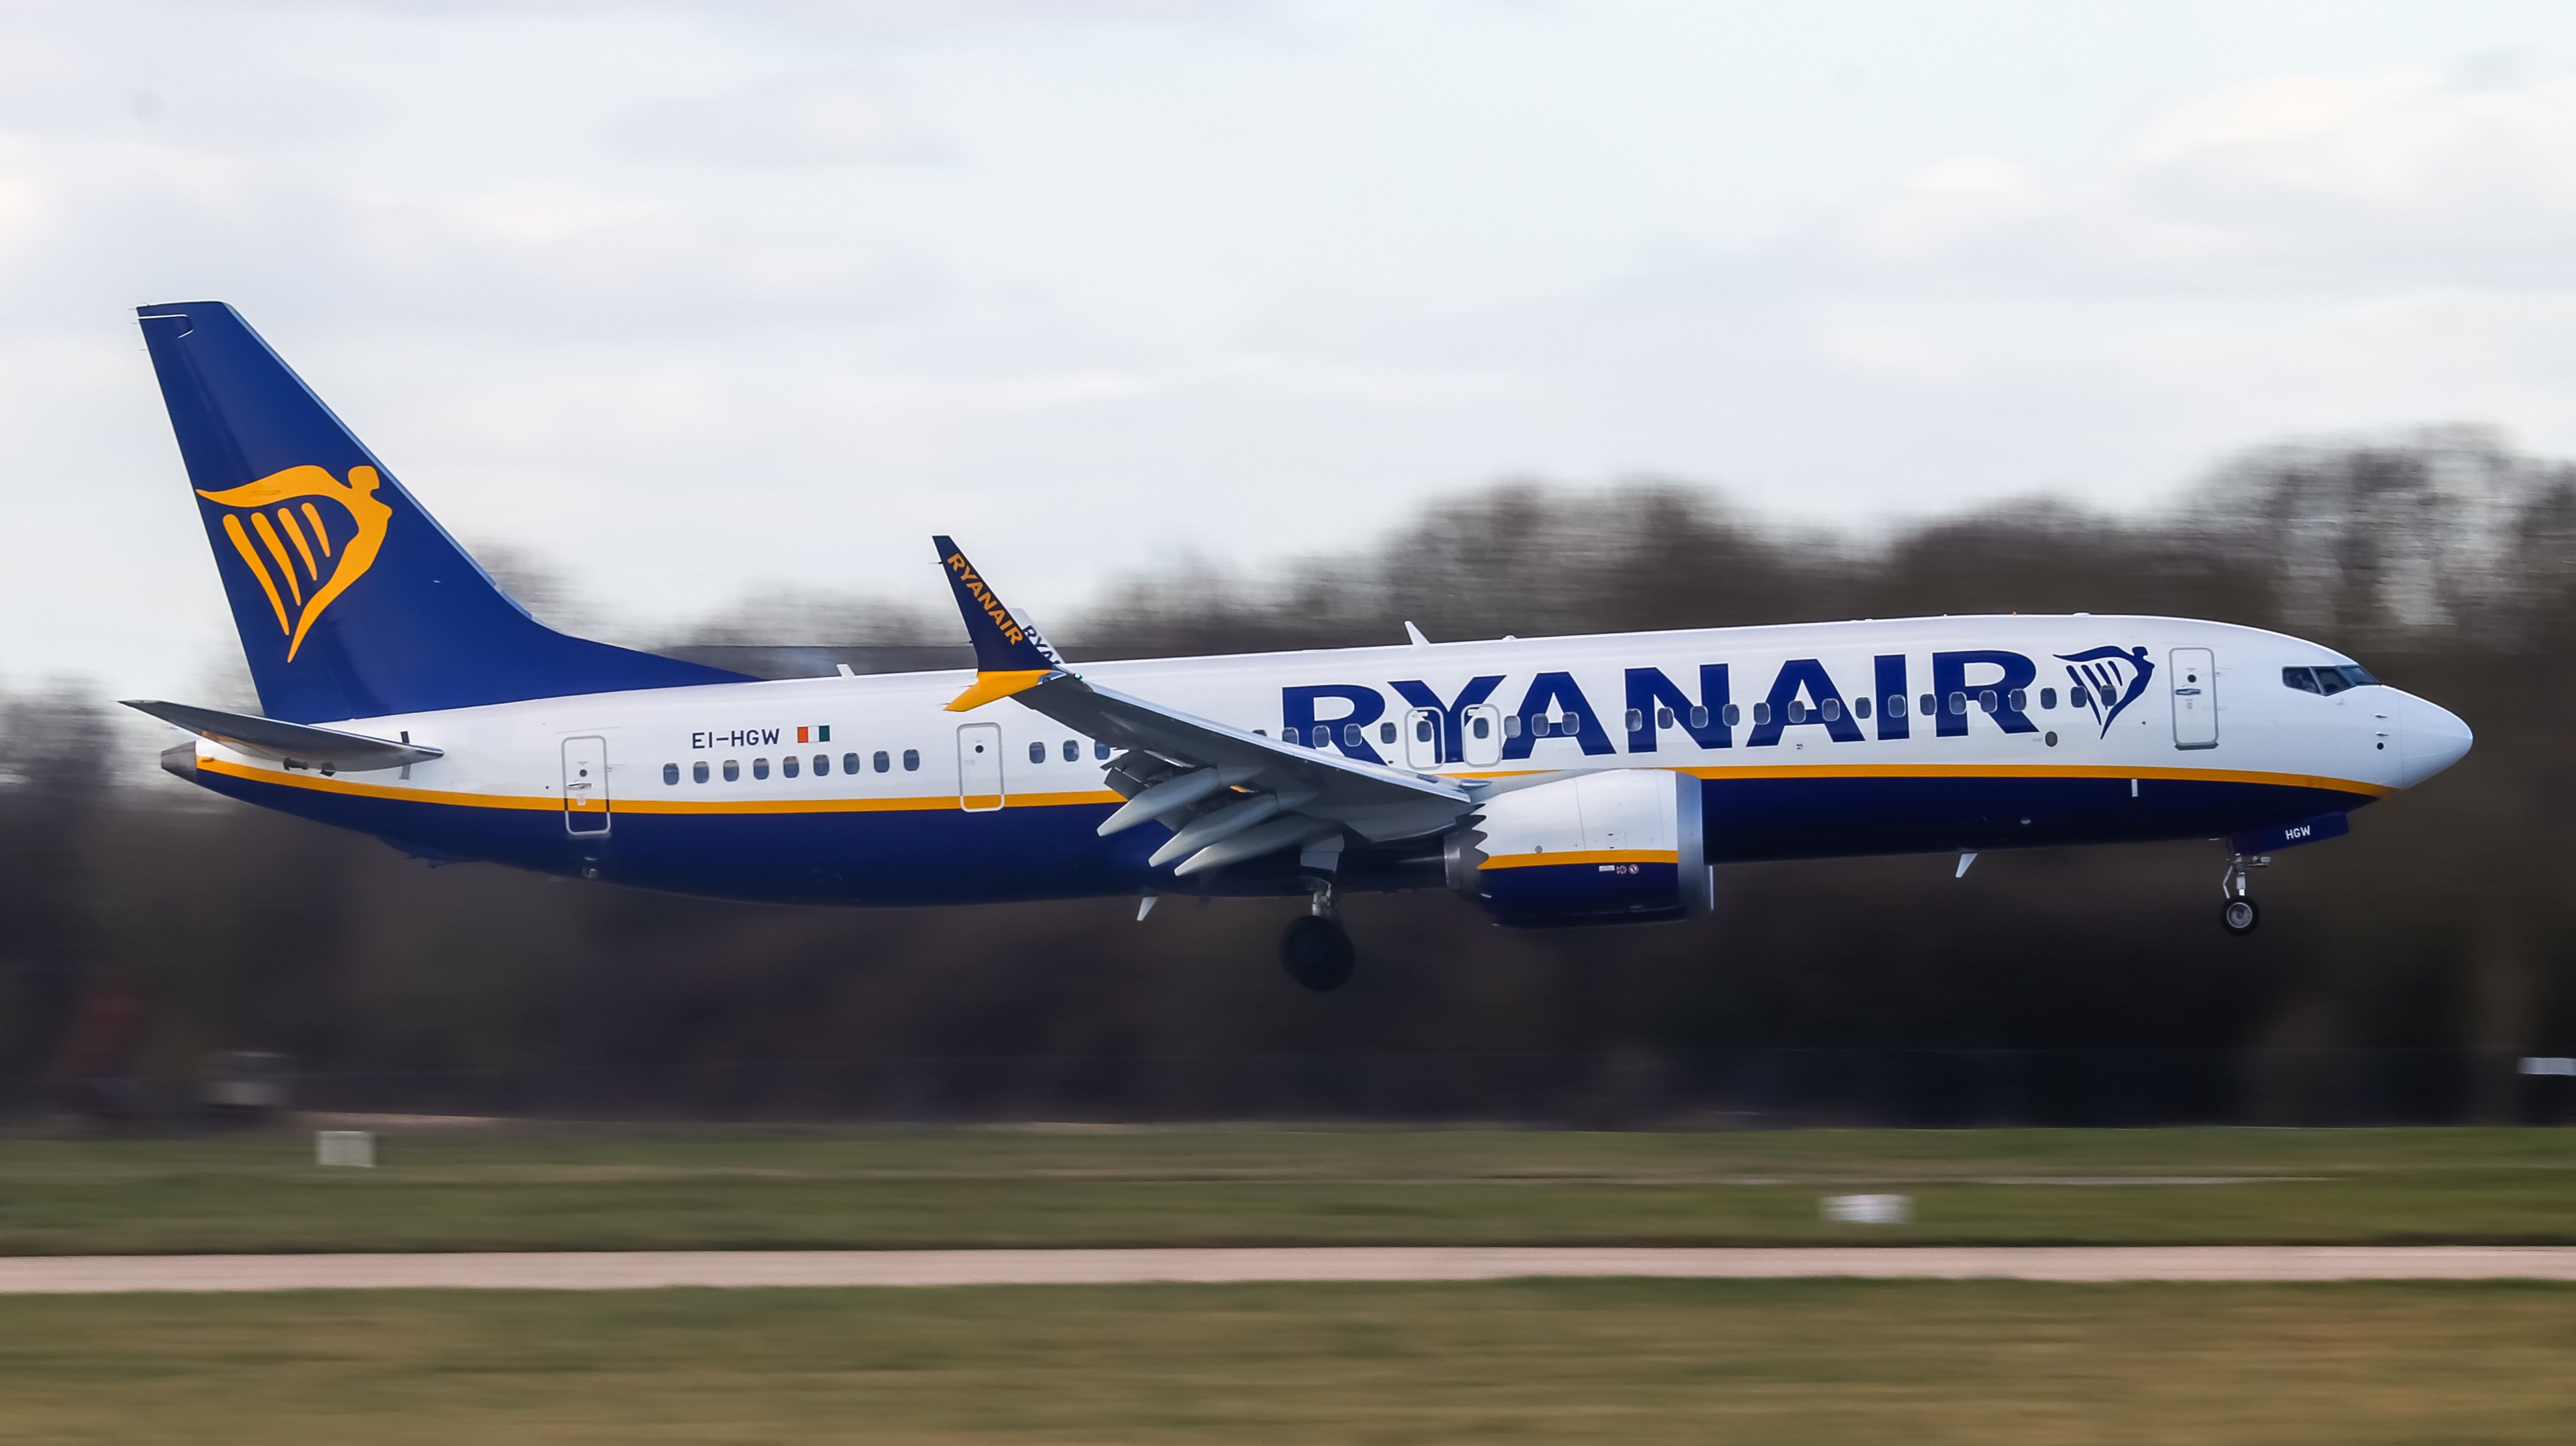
(655, 1270)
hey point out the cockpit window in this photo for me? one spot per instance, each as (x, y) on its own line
(2328, 680)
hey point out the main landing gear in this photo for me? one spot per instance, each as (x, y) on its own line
(2238, 914)
(1316, 951)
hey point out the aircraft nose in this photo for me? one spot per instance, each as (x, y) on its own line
(2430, 738)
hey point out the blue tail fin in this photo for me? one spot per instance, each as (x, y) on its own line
(351, 601)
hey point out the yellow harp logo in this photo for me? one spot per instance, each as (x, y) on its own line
(316, 556)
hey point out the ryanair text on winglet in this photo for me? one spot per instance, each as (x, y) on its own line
(992, 605)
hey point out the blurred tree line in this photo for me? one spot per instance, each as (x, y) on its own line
(144, 927)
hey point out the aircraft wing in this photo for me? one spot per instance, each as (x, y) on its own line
(1230, 794)
(1377, 801)
(300, 743)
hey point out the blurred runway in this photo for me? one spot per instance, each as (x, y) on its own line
(648, 1270)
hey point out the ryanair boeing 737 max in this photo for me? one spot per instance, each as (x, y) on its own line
(1556, 781)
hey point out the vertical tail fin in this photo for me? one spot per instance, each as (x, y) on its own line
(350, 600)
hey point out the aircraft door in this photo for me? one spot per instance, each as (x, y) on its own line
(2195, 698)
(1422, 738)
(979, 767)
(1480, 735)
(585, 785)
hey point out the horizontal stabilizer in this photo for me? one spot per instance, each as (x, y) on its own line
(294, 743)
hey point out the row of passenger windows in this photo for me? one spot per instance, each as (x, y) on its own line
(791, 765)
(2328, 680)
(881, 761)
(1072, 751)
(1830, 710)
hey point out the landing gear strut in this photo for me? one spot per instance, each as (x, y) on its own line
(1316, 951)
(2238, 914)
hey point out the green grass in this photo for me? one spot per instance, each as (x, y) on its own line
(635, 1188)
(1624, 1361)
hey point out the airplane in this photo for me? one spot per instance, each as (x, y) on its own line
(1568, 781)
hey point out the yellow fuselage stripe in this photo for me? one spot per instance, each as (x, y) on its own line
(353, 788)
(549, 802)
(1583, 856)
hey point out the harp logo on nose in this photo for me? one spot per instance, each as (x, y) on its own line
(2112, 678)
(305, 536)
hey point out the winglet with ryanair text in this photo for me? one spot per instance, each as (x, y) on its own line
(1010, 656)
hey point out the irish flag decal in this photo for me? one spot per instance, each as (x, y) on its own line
(819, 733)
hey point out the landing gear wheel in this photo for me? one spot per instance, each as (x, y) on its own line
(2239, 916)
(1317, 953)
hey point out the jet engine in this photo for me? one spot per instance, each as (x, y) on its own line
(1618, 847)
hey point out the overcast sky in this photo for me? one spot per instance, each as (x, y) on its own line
(689, 299)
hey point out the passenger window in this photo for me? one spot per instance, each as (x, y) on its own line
(760, 768)
(1895, 705)
(1832, 708)
(1986, 700)
(1037, 752)
(1481, 726)
(2048, 697)
(1958, 704)
(882, 762)
(698, 772)
(1353, 738)
(1860, 707)
(1512, 726)
(790, 766)
(1928, 705)
(850, 763)
(1761, 713)
(823, 764)
(1572, 725)
(1386, 733)
(1100, 751)
(912, 760)
(1289, 735)
(2075, 697)
(1421, 731)
(1072, 751)
(1699, 716)
(2018, 699)
(1663, 717)
(1734, 714)
(1797, 711)
(671, 774)
(1538, 725)
(733, 771)
(1636, 720)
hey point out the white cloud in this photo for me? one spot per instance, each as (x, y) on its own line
(689, 299)
(804, 121)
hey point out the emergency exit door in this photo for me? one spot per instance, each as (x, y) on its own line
(585, 785)
(979, 767)
(2195, 698)
(1422, 738)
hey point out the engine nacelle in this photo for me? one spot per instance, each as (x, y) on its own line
(1618, 847)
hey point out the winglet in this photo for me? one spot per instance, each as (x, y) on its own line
(1010, 655)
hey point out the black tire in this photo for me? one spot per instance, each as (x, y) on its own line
(2239, 916)
(1317, 954)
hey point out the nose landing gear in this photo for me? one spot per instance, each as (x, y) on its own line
(1316, 951)
(2239, 915)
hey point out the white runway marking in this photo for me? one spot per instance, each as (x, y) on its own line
(649, 1270)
